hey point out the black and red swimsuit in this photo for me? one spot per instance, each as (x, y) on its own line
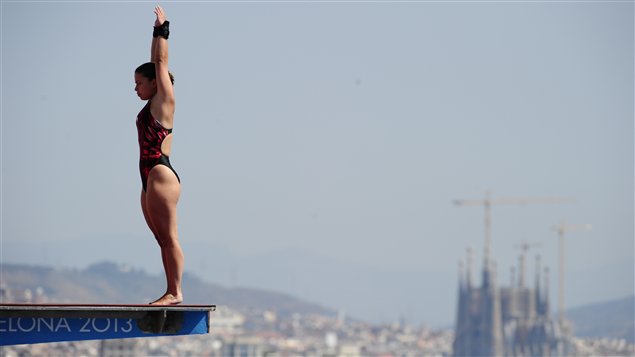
(151, 134)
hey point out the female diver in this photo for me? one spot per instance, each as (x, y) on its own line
(161, 184)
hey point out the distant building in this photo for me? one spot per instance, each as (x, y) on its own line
(508, 321)
(5, 294)
(119, 348)
(247, 347)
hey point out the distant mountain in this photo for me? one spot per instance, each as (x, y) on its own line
(109, 283)
(112, 283)
(371, 291)
(614, 319)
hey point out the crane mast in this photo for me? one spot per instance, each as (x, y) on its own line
(562, 228)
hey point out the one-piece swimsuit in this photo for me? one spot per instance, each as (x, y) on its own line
(151, 135)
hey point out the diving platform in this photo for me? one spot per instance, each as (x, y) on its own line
(29, 323)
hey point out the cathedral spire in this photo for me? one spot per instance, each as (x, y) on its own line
(469, 267)
(461, 276)
(545, 294)
(538, 297)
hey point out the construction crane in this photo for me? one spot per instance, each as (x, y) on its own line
(487, 203)
(524, 248)
(562, 228)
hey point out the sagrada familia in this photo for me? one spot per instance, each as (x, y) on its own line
(507, 321)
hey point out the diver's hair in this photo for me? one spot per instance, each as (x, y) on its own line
(148, 70)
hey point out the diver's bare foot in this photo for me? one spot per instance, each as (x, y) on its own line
(168, 299)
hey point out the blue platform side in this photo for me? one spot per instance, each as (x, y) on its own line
(29, 324)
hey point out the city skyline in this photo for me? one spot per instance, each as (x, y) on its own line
(307, 331)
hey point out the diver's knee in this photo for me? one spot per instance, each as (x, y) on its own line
(159, 241)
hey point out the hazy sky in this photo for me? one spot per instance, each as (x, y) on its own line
(341, 129)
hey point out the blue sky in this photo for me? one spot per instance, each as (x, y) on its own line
(344, 130)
